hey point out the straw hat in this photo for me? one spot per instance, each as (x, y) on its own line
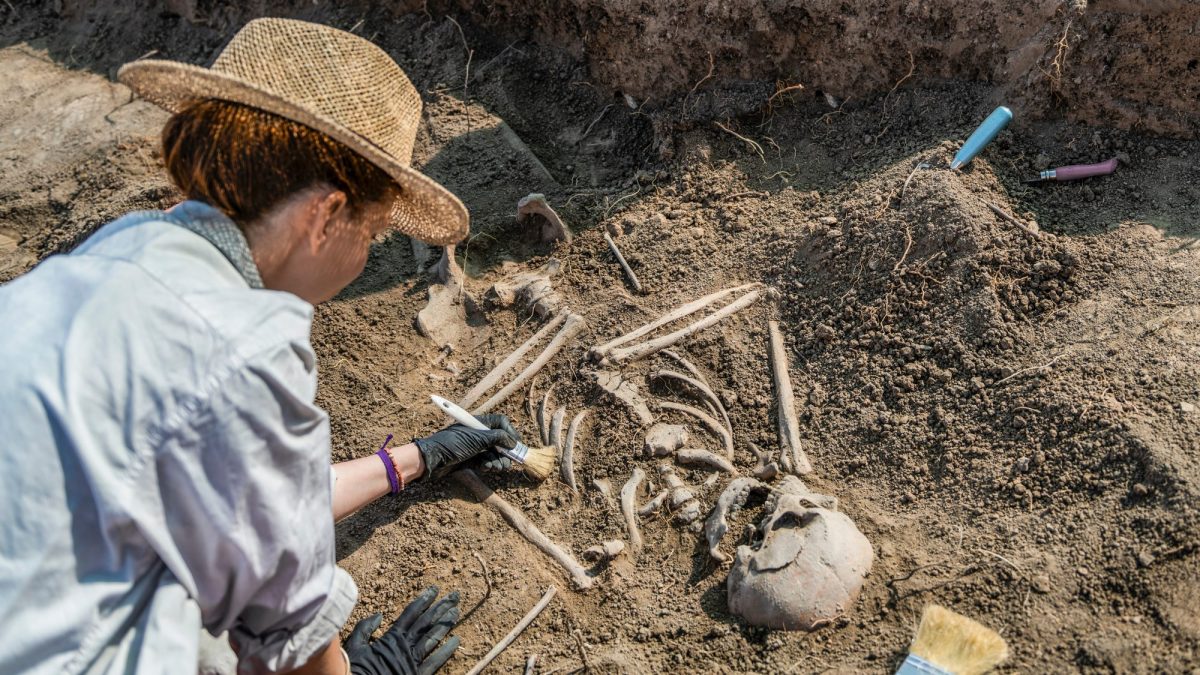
(329, 80)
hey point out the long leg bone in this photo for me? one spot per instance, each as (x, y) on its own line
(621, 355)
(654, 504)
(707, 420)
(700, 457)
(633, 280)
(628, 495)
(601, 351)
(568, 458)
(792, 458)
(706, 393)
(577, 573)
(543, 416)
(730, 501)
(501, 370)
(570, 328)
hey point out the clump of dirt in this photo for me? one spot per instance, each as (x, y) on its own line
(1011, 419)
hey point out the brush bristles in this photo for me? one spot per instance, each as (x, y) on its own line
(957, 644)
(539, 462)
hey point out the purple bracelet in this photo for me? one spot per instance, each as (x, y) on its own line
(393, 479)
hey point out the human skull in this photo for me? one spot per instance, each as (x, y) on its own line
(807, 569)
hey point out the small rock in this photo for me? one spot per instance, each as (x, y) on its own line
(1042, 161)
(1140, 490)
(1186, 407)
(825, 333)
(834, 233)
(1040, 583)
(1145, 559)
(1123, 158)
(828, 221)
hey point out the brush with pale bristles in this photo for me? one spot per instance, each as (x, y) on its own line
(951, 644)
(537, 462)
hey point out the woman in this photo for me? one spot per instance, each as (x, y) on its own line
(165, 466)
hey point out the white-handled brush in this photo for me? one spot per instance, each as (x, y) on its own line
(538, 462)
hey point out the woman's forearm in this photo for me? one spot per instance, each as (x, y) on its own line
(363, 480)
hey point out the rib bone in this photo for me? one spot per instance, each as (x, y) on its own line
(543, 415)
(570, 328)
(687, 365)
(730, 501)
(791, 455)
(556, 431)
(628, 494)
(601, 351)
(707, 420)
(625, 354)
(706, 393)
(577, 573)
(704, 458)
(568, 457)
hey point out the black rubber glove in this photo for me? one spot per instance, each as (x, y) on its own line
(407, 648)
(458, 443)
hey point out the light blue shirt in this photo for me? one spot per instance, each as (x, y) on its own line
(162, 464)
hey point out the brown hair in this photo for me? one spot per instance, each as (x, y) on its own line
(244, 161)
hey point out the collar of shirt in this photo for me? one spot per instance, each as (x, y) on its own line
(220, 231)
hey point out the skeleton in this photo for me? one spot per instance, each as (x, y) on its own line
(502, 369)
(575, 571)
(664, 439)
(568, 457)
(624, 391)
(605, 551)
(808, 567)
(628, 494)
(683, 502)
(713, 425)
(706, 394)
(612, 353)
(570, 328)
(553, 228)
(701, 457)
(728, 504)
(791, 455)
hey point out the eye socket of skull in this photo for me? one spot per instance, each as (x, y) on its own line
(794, 519)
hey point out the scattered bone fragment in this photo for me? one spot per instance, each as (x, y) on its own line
(728, 504)
(808, 567)
(766, 468)
(605, 551)
(687, 365)
(619, 355)
(599, 352)
(604, 487)
(683, 501)
(543, 416)
(625, 391)
(568, 457)
(633, 280)
(791, 455)
(575, 571)
(704, 458)
(706, 394)
(712, 479)
(531, 289)
(707, 420)
(664, 439)
(628, 495)
(655, 503)
(553, 229)
(504, 367)
(570, 328)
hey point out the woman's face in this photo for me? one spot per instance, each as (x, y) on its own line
(344, 255)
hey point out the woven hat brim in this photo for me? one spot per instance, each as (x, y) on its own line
(425, 210)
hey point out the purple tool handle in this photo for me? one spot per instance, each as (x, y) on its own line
(1077, 171)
